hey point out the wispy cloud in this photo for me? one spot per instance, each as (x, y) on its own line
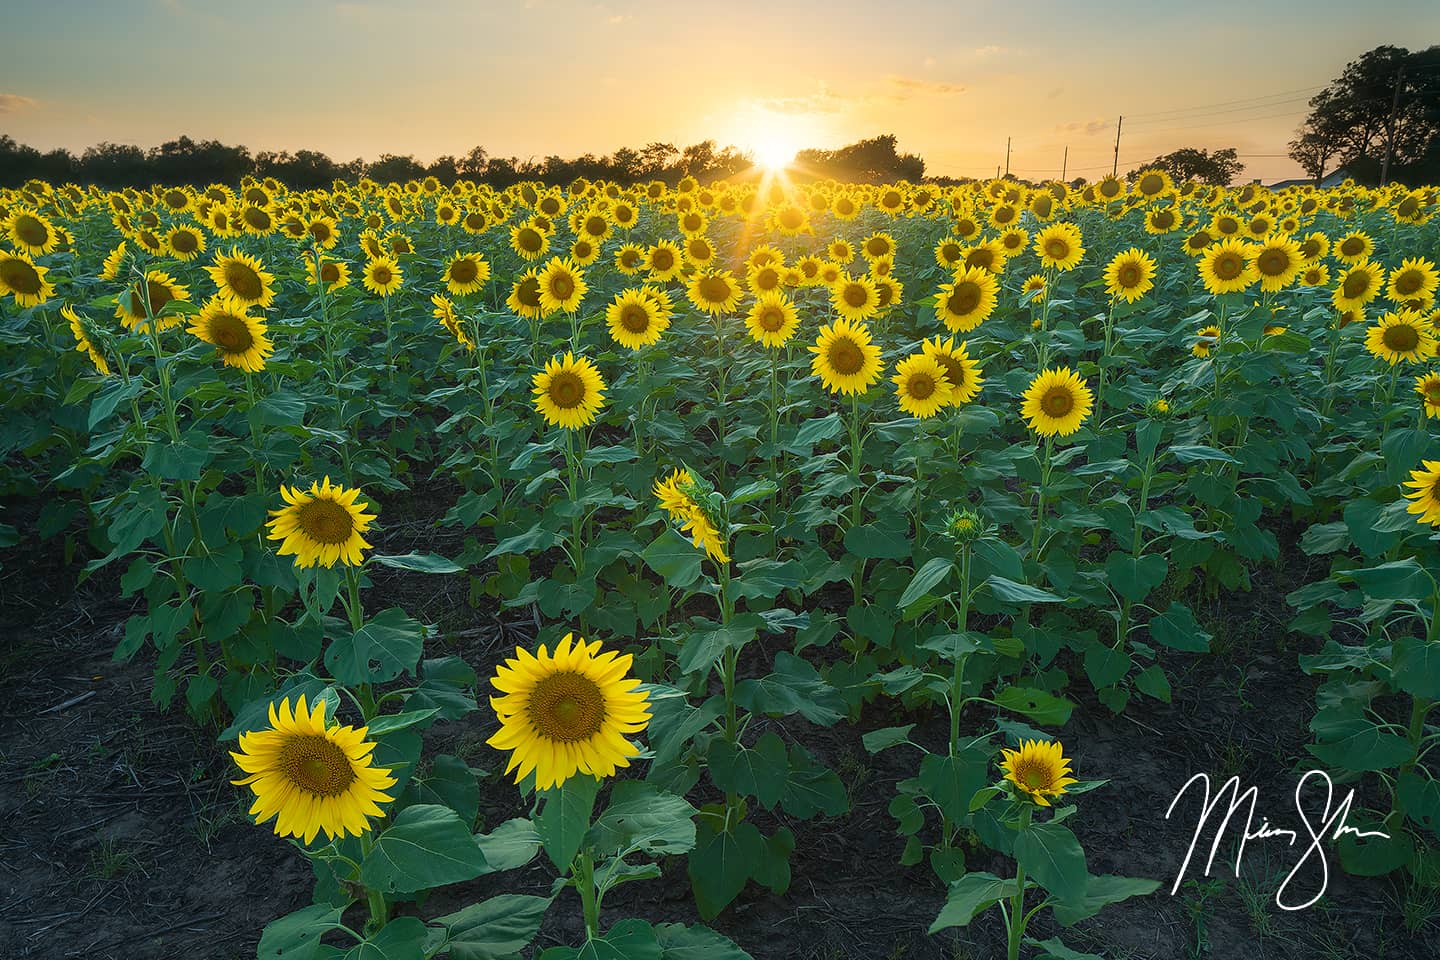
(1088, 127)
(823, 100)
(15, 103)
(990, 50)
(903, 88)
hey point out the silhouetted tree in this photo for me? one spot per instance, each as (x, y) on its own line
(875, 160)
(1219, 167)
(392, 168)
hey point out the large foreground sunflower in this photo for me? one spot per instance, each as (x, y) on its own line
(321, 525)
(567, 712)
(562, 286)
(1278, 261)
(1227, 266)
(239, 337)
(1038, 770)
(22, 279)
(1402, 335)
(312, 777)
(967, 302)
(383, 275)
(1056, 402)
(1426, 493)
(569, 392)
(846, 360)
(1414, 279)
(922, 386)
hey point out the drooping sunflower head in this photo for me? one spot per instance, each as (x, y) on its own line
(846, 359)
(322, 525)
(569, 392)
(1425, 492)
(773, 320)
(1130, 275)
(922, 386)
(242, 278)
(444, 311)
(968, 301)
(1038, 771)
(691, 504)
(1428, 386)
(239, 338)
(1059, 246)
(1401, 335)
(1056, 403)
(567, 713)
(84, 342)
(312, 776)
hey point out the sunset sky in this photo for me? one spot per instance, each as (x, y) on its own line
(951, 78)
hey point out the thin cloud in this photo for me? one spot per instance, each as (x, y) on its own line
(14, 103)
(990, 50)
(907, 87)
(822, 101)
(1088, 127)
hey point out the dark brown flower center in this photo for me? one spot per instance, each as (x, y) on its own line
(326, 521)
(1401, 337)
(316, 765)
(846, 357)
(567, 390)
(1058, 401)
(566, 707)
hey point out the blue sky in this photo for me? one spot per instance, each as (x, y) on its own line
(951, 79)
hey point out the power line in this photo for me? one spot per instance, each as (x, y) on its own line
(1226, 103)
(1183, 128)
(1216, 113)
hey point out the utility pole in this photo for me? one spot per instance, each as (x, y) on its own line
(1007, 156)
(1115, 169)
(1064, 163)
(1390, 128)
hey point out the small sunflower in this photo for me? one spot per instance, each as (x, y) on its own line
(160, 289)
(466, 273)
(630, 259)
(773, 320)
(321, 525)
(1402, 335)
(1056, 403)
(714, 292)
(323, 231)
(1206, 340)
(1315, 246)
(1059, 246)
(1428, 386)
(877, 245)
(242, 278)
(1038, 770)
(1358, 285)
(964, 373)
(1196, 243)
(855, 298)
(22, 279)
(1426, 493)
(1414, 279)
(524, 299)
(1227, 266)
(1035, 284)
(635, 319)
(1130, 275)
(383, 276)
(567, 713)
(966, 303)
(846, 360)
(569, 392)
(1315, 275)
(664, 261)
(922, 386)
(1355, 247)
(311, 776)
(239, 337)
(333, 273)
(83, 342)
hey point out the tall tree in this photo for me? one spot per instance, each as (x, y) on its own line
(1219, 167)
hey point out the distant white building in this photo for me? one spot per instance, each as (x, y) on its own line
(1329, 180)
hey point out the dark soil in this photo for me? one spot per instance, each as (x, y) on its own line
(124, 838)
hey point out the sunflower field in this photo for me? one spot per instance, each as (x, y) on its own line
(698, 481)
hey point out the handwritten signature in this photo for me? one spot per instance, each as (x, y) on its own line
(1330, 826)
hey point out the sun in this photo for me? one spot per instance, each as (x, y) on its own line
(775, 152)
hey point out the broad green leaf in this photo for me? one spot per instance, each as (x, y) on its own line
(1415, 667)
(680, 942)
(794, 687)
(1176, 628)
(1053, 949)
(427, 846)
(641, 816)
(674, 558)
(420, 562)
(1358, 744)
(1051, 855)
(702, 648)
(511, 845)
(626, 940)
(296, 936)
(757, 771)
(952, 781)
(1398, 580)
(387, 646)
(1100, 892)
(1044, 708)
(1134, 577)
(878, 542)
(1012, 592)
(970, 896)
(926, 577)
(565, 817)
(886, 737)
(1105, 666)
(403, 938)
(494, 929)
(721, 863)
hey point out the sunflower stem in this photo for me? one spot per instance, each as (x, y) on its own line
(962, 624)
(856, 443)
(1040, 507)
(1015, 922)
(585, 886)
(379, 909)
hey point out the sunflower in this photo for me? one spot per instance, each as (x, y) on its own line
(1038, 770)
(1056, 402)
(160, 289)
(1428, 386)
(683, 498)
(1414, 279)
(855, 298)
(1358, 285)
(242, 278)
(630, 259)
(321, 525)
(83, 343)
(1227, 266)
(31, 232)
(584, 251)
(1278, 261)
(466, 273)
(528, 241)
(1035, 284)
(1315, 275)
(1196, 243)
(635, 319)
(963, 373)
(382, 276)
(1355, 247)
(240, 337)
(1206, 339)
(699, 251)
(567, 713)
(949, 254)
(1426, 493)
(322, 230)
(1161, 220)
(1403, 335)
(1130, 275)
(110, 269)
(185, 243)
(922, 386)
(773, 320)
(310, 776)
(766, 278)
(846, 360)
(333, 273)
(888, 291)
(1058, 246)
(877, 245)
(445, 312)
(989, 256)
(23, 280)
(965, 304)
(397, 243)
(1315, 246)
(664, 261)
(524, 299)
(569, 392)
(714, 292)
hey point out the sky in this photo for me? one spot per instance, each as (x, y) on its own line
(531, 78)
